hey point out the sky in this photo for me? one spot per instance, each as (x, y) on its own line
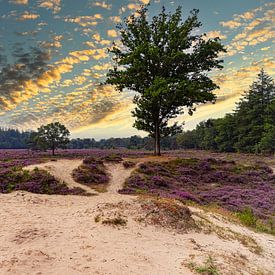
(53, 57)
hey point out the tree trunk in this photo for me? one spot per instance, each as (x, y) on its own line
(53, 149)
(157, 141)
(155, 147)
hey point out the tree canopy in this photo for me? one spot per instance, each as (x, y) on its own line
(50, 136)
(166, 62)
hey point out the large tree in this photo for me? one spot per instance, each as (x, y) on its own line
(255, 114)
(166, 62)
(53, 136)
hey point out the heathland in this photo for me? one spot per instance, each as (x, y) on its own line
(124, 211)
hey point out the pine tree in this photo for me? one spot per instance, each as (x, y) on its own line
(254, 113)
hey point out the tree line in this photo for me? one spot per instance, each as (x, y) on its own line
(249, 129)
(14, 139)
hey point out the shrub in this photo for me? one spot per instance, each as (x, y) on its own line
(112, 158)
(247, 217)
(92, 171)
(128, 164)
(117, 221)
(36, 181)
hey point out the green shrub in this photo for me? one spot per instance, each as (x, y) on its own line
(247, 217)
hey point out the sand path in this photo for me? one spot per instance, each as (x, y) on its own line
(62, 170)
(43, 234)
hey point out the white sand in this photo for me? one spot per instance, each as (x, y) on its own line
(43, 234)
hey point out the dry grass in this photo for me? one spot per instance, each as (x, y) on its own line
(167, 213)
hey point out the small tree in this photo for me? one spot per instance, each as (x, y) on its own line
(166, 63)
(53, 136)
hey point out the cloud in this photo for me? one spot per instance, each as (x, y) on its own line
(238, 80)
(214, 34)
(246, 15)
(96, 37)
(54, 5)
(133, 6)
(85, 21)
(231, 24)
(28, 16)
(55, 43)
(256, 27)
(112, 33)
(15, 78)
(233, 83)
(115, 19)
(239, 19)
(90, 44)
(103, 5)
(94, 106)
(102, 67)
(19, 2)
(265, 48)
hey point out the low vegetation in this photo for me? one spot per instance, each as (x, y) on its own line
(128, 164)
(208, 268)
(91, 172)
(230, 185)
(37, 181)
(118, 221)
(112, 158)
(167, 213)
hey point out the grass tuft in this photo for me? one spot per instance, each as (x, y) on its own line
(208, 268)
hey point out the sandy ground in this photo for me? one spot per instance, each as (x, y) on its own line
(43, 234)
(62, 170)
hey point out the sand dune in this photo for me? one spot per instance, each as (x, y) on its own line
(43, 234)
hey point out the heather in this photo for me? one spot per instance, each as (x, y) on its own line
(13, 177)
(230, 185)
(38, 156)
(37, 181)
(128, 164)
(167, 213)
(92, 171)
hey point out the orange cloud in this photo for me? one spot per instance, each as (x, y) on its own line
(19, 2)
(112, 33)
(28, 16)
(54, 5)
(103, 5)
(214, 34)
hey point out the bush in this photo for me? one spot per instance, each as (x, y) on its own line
(36, 181)
(128, 164)
(92, 171)
(247, 217)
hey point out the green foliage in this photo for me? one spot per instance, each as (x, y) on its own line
(247, 217)
(209, 267)
(13, 139)
(249, 129)
(50, 136)
(166, 63)
(267, 142)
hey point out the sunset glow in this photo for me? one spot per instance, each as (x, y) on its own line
(61, 81)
